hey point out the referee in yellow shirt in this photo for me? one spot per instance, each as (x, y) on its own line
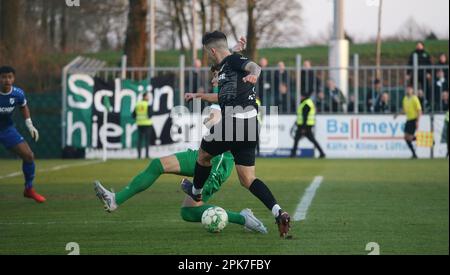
(413, 111)
(142, 115)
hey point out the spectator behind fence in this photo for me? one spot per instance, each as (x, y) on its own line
(422, 99)
(195, 79)
(336, 96)
(383, 105)
(351, 103)
(424, 59)
(440, 86)
(309, 81)
(284, 98)
(264, 85)
(322, 103)
(374, 95)
(444, 101)
(443, 61)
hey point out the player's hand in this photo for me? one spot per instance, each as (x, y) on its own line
(250, 78)
(241, 45)
(189, 96)
(33, 131)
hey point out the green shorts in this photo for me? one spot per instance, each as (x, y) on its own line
(222, 166)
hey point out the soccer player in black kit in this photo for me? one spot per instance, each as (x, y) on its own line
(237, 131)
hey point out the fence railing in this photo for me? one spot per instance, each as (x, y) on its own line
(366, 94)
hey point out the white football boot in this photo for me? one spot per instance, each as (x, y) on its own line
(252, 223)
(107, 197)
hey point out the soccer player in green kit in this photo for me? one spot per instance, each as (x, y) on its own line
(183, 164)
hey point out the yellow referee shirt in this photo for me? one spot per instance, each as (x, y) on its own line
(411, 107)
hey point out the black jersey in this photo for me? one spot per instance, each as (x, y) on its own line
(233, 92)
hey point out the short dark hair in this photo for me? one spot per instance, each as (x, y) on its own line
(7, 70)
(215, 68)
(421, 43)
(214, 36)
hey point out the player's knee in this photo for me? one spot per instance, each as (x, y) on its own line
(247, 181)
(28, 157)
(204, 159)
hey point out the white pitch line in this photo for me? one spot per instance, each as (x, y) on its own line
(55, 168)
(302, 208)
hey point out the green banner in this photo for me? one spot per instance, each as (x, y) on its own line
(89, 99)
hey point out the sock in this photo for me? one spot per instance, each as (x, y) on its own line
(276, 210)
(262, 192)
(194, 214)
(28, 169)
(141, 182)
(411, 147)
(201, 174)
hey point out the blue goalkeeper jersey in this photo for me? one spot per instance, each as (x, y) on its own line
(8, 103)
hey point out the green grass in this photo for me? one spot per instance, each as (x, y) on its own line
(396, 53)
(402, 205)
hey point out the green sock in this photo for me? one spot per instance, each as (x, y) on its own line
(194, 214)
(141, 182)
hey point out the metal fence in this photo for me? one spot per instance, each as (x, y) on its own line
(366, 93)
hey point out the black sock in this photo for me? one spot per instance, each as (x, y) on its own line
(411, 147)
(201, 175)
(262, 192)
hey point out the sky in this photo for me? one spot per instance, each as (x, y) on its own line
(361, 17)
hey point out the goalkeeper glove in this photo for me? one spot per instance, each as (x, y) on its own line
(33, 131)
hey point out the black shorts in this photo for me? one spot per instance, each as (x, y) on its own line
(410, 127)
(239, 136)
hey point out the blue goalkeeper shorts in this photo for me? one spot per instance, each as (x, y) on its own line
(10, 137)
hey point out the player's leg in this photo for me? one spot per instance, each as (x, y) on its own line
(147, 141)
(410, 129)
(178, 164)
(448, 138)
(312, 138)
(245, 167)
(192, 211)
(29, 170)
(139, 142)
(203, 166)
(298, 136)
(140, 183)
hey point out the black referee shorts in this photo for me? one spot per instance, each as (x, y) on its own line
(410, 127)
(239, 136)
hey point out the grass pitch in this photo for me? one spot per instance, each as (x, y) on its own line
(402, 205)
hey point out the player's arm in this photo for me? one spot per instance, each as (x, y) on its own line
(254, 71)
(211, 98)
(240, 46)
(215, 116)
(29, 123)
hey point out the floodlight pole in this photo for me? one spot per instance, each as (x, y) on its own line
(339, 50)
(194, 31)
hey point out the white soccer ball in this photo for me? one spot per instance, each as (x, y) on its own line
(214, 219)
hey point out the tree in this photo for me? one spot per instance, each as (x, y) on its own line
(136, 35)
(252, 39)
(272, 23)
(10, 11)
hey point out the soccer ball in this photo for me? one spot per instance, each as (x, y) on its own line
(214, 219)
